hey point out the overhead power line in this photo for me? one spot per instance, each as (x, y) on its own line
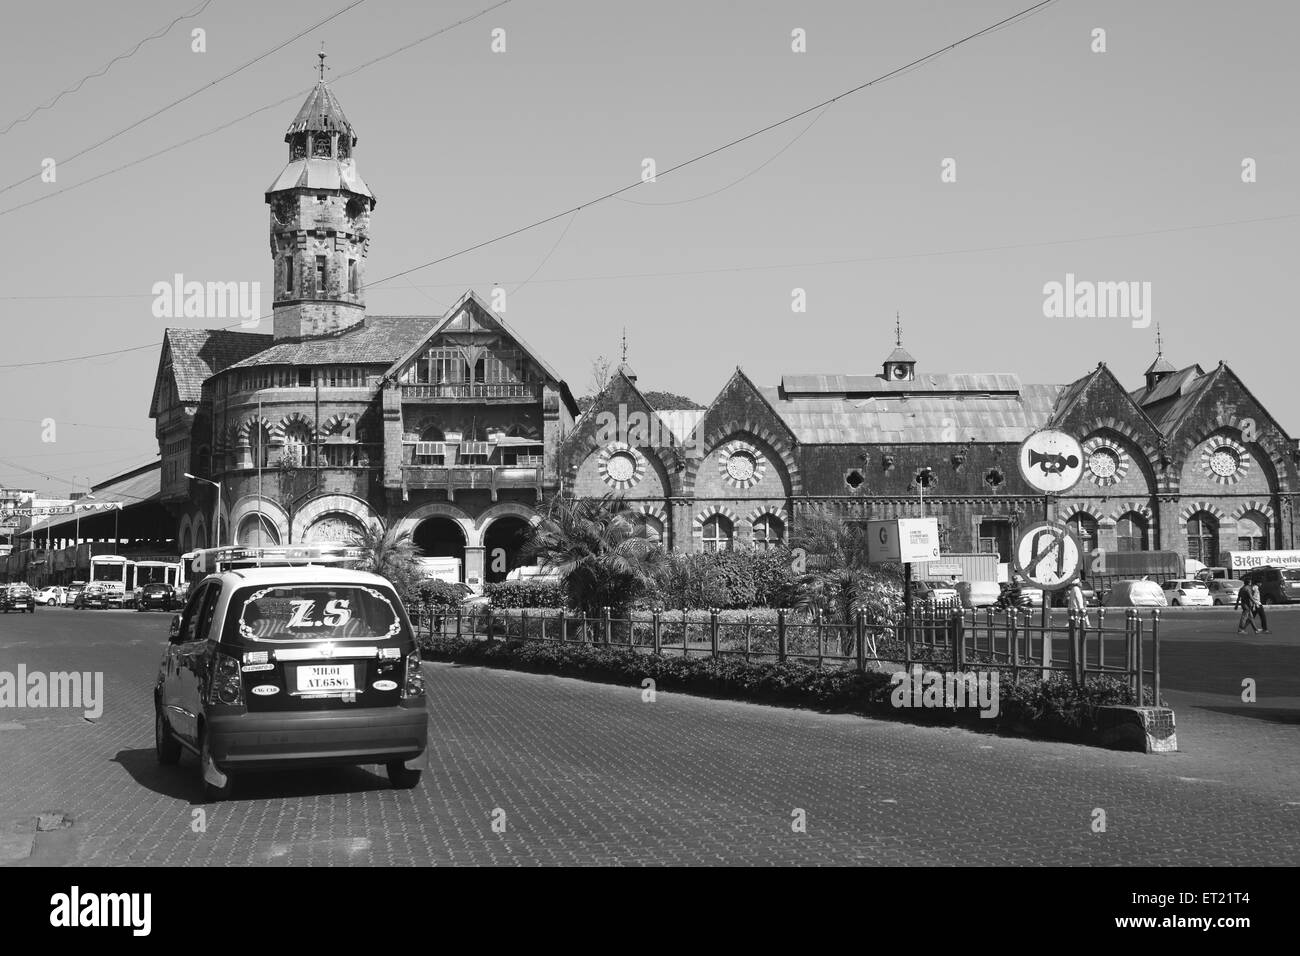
(163, 31)
(1028, 11)
(249, 115)
(190, 95)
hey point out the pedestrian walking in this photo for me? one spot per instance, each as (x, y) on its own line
(1075, 600)
(1259, 605)
(1246, 602)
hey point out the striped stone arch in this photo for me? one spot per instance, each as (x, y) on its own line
(337, 424)
(271, 511)
(1136, 507)
(697, 525)
(739, 430)
(246, 426)
(504, 508)
(1263, 507)
(1144, 444)
(293, 418)
(652, 510)
(776, 511)
(1207, 506)
(1081, 507)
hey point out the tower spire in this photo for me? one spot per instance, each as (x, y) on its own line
(321, 65)
(898, 332)
(625, 345)
(1160, 351)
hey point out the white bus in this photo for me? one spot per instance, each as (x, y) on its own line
(111, 571)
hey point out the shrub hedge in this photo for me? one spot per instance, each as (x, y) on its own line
(525, 594)
(1027, 705)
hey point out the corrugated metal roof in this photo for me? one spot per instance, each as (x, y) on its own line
(875, 385)
(923, 419)
(378, 340)
(321, 174)
(1167, 388)
(198, 354)
(134, 487)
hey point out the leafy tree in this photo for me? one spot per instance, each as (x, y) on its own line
(600, 548)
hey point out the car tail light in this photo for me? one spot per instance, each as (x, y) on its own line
(227, 684)
(413, 686)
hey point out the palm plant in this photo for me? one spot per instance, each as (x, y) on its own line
(390, 554)
(599, 547)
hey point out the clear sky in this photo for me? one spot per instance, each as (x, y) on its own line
(1052, 142)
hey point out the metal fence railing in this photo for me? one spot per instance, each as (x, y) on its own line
(1042, 641)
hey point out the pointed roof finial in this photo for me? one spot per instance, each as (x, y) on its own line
(321, 66)
(625, 345)
(898, 332)
(1160, 351)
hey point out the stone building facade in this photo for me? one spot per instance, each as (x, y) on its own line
(455, 429)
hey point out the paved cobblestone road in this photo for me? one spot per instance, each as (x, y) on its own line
(587, 773)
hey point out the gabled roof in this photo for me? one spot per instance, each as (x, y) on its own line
(1159, 366)
(1172, 396)
(900, 354)
(198, 354)
(485, 317)
(375, 340)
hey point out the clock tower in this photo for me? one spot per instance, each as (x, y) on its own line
(900, 366)
(320, 222)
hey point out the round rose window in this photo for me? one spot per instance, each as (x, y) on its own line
(1103, 463)
(621, 467)
(1224, 463)
(740, 466)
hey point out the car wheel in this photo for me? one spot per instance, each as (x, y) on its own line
(211, 791)
(165, 746)
(400, 776)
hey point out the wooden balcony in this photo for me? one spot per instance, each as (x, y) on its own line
(473, 392)
(455, 478)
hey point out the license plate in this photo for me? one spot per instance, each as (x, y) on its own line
(326, 678)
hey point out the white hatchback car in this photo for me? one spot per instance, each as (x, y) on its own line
(52, 596)
(1186, 592)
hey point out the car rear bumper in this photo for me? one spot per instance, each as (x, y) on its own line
(259, 741)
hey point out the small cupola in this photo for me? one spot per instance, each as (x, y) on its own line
(1161, 367)
(900, 366)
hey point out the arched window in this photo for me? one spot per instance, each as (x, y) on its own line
(259, 441)
(768, 532)
(717, 533)
(1252, 532)
(1084, 527)
(1132, 533)
(297, 439)
(654, 529)
(1203, 537)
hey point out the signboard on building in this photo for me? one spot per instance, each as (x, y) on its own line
(1246, 560)
(903, 539)
(1051, 461)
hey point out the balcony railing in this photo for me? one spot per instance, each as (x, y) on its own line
(453, 478)
(525, 391)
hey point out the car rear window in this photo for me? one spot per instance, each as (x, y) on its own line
(304, 612)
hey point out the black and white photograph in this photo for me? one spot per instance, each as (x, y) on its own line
(579, 434)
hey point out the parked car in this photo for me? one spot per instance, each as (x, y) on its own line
(288, 667)
(156, 594)
(1136, 594)
(1186, 592)
(52, 596)
(18, 597)
(92, 595)
(1223, 591)
(71, 591)
(1276, 585)
(933, 593)
(978, 593)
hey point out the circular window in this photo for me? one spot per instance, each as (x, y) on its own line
(1224, 462)
(1103, 463)
(621, 467)
(741, 466)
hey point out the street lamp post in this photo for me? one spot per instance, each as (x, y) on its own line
(216, 509)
